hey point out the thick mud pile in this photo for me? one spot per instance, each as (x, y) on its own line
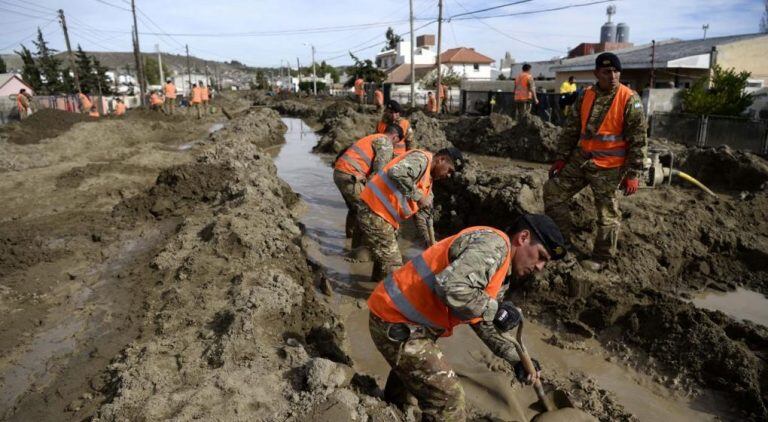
(46, 123)
(238, 330)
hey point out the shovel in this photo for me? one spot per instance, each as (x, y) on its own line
(557, 404)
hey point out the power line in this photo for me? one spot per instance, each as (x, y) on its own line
(468, 12)
(376, 44)
(113, 5)
(531, 12)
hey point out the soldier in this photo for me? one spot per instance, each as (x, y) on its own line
(403, 188)
(603, 146)
(355, 165)
(462, 279)
(392, 116)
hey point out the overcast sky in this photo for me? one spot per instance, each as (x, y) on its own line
(264, 32)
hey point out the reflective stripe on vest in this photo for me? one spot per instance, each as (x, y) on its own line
(522, 83)
(410, 294)
(384, 198)
(399, 147)
(608, 147)
(358, 157)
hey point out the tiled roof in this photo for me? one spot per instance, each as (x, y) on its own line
(464, 55)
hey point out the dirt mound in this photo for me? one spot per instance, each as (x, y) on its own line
(238, 327)
(297, 109)
(46, 123)
(427, 133)
(726, 168)
(343, 125)
(530, 139)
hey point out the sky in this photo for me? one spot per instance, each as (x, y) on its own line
(269, 32)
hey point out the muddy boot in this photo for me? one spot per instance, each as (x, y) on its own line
(593, 264)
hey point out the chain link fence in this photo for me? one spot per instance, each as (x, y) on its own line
(712, 131)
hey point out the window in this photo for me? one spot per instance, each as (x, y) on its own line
(476, 66)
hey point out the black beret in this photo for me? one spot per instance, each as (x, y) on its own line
(547, 232)
(456, 156)
(397, 129)
(394, 106)
(608, 60)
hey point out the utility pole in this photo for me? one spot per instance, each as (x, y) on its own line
(314, 75)
(439, 43)
(137, 54)
(651, 83)
(207, 79)
(298, 67)
(69, 50)
(413, 65)
(160, 63)
(705, 27)
(189, 69)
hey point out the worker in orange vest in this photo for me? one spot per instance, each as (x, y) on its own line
(23, 103)
(94, 112)
(119, 107)
(196, 99)
(525, 92)
(156, 101)
(170, 96)
(443, 92)
(431, 103)
(205, 95)
(378, 99)
(463, 279)
(352, 169)
(360, 89)
(85, 103)
(397, 193)
(603, 145)
(393, 116)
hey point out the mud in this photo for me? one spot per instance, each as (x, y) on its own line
(46, 123)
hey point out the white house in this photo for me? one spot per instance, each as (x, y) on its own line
(423, 54)
(466, 63)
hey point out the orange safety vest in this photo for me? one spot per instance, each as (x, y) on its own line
(378, 97)
(443, 91)
(522, 83)
(358, 158)
(20, 105)
(432, 104)
(94, 114)
(399, 148)
(197, 95)
(359, 86)
(85, 101)
(119, 109)
(608, 147)
(386, 201)
(170, 90)
(408, 294)
(155, 99)
(205, 93)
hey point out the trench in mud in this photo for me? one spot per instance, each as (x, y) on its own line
(323, 215)
(740, 304)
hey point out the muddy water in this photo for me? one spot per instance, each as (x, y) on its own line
(740, 304)
(323, 215)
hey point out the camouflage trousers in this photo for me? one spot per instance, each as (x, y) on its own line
(420, 371)
(577, 174)
(350, 188)
(522, 109)
(381, 238)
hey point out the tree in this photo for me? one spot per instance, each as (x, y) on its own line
(726, 97)
(320, 70)
(392, 40)
(450, 78)
(30, 72)
(3, 67)
(764, 20)
(100, 76)
(366, 70)
(85, 70)
(49, 65)
(152, 71)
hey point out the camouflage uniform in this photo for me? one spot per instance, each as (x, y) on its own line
(378, 234)
(351, 187)
(580, 172)
(419, 368)
(387, 118)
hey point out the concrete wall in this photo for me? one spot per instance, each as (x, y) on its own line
(750, 55)
(662, 100)
(467, 70)
(640, 78)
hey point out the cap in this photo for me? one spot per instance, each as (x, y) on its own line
(397, 128)
(456, 156)
(547, 232)
(608, 60)
(394, 106)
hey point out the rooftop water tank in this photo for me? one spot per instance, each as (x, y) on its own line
(608, 32)
(622, 32)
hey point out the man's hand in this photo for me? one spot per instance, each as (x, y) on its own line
(507, 316)
(556, 168)
(630, 185)
(523, 376)
(425, 201)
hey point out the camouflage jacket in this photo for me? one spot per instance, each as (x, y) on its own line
(407, 172)
(475, 257)
(634, 128)
(387, 118)
(382, 154)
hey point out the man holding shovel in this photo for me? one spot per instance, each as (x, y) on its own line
(460, 280)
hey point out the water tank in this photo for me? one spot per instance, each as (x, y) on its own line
(608, 32)
(622, 32)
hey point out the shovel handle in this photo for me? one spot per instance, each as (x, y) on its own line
(530, 369)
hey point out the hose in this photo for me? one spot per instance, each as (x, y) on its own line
(692, 180)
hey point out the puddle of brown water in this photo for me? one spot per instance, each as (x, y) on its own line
(740, 304)
(310, 175)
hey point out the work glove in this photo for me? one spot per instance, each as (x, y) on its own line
(630, 185)
(520, 373)
(557, 166)
(507, 316)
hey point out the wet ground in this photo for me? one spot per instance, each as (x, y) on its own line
(741, 304)
(488, 392)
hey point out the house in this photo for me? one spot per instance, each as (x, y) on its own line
(678, 63)
(10, 84)
(467, 63)
(423, 54)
